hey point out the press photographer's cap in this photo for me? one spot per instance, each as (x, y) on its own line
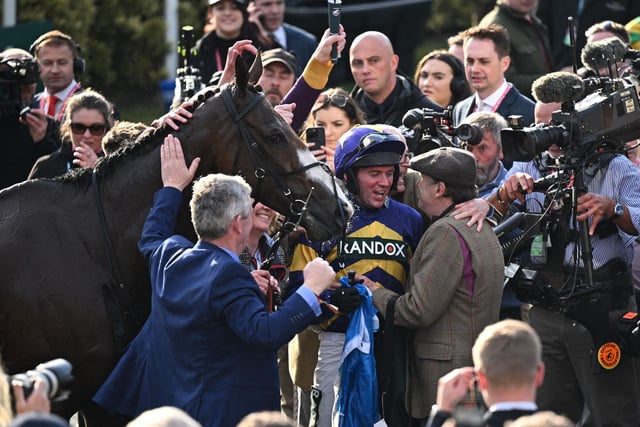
(279, 55)
(212, 2)
(447, 164)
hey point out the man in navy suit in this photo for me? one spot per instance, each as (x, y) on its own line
(209, 345)
(486, 57)
(269, 14)
(508, 369)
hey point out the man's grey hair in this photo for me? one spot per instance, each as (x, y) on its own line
(217, 199)
(488, 122)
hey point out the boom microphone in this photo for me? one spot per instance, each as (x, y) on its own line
(560, 86)
(600, 54)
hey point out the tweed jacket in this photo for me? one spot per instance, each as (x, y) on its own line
(450, 297)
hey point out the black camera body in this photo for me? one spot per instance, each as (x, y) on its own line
(426, 129)
(57, 375)
(606, 118)
(188, 77)
(13, 74)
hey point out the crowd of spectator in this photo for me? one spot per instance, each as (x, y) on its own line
(420, 242)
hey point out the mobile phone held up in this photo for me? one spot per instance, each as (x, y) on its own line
(315, 135)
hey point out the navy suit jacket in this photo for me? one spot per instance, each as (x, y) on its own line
(300, 42)
(209, 345)
(513, 103)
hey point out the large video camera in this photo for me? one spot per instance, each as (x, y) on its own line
(13, 74)
(598, 113)
(188, 80)
(426, 129)
(56, 374)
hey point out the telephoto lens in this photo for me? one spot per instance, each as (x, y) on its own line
(56, 375)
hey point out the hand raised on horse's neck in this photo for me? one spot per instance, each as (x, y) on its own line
(175, 172)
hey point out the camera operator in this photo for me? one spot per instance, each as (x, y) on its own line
(611, 205)
(27, 134)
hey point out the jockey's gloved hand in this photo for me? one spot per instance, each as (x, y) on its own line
(346, 299)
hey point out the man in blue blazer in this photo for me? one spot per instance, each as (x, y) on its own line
(209, 345)
(269, 14)
(486, 54)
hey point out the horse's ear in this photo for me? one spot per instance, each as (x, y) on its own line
(256, 70)
(241, 76)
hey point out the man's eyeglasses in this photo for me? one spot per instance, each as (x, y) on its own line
(95, 130)
(337, 100)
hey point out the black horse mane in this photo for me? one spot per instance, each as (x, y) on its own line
(83, 177)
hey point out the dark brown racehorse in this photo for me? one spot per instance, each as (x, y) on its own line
(72, 283)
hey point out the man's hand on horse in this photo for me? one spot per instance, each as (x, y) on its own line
(37, 401)
(181, 114)
(286, 111)
(175, 172)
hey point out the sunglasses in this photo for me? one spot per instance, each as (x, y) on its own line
(337, 100)
(95, 130)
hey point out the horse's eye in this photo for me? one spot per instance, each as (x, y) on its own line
(276, 138)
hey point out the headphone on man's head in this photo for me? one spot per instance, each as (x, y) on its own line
(78, 61)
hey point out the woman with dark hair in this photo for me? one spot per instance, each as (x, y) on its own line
(88, 116)
(336, 112)
(228, 22)
(441, 77)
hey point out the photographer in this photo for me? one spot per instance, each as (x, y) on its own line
(27, 134)
(611, 205)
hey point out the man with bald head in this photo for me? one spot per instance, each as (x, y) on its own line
(382, 92)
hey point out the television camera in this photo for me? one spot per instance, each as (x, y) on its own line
(426, 129)
(14, 72)
(597, 113)
(598, 116)
(188, 80)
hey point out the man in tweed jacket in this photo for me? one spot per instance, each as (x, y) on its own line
(455, 279)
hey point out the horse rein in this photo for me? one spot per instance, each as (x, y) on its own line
(263, 171)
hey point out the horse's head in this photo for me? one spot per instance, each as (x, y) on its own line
(262, 147)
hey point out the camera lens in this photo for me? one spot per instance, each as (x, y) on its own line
(55, 374)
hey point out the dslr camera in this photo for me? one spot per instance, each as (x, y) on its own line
(56, 375)
(13, 74)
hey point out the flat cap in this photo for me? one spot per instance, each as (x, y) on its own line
(285, 57)
(447, 164)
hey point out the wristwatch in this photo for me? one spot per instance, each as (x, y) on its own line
(618, 211)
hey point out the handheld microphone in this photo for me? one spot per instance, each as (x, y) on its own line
(335, 9)
(559, 86)
(600, 54)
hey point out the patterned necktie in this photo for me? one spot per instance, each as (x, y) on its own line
(51, 105)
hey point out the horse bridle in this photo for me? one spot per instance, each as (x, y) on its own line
(297, 207)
